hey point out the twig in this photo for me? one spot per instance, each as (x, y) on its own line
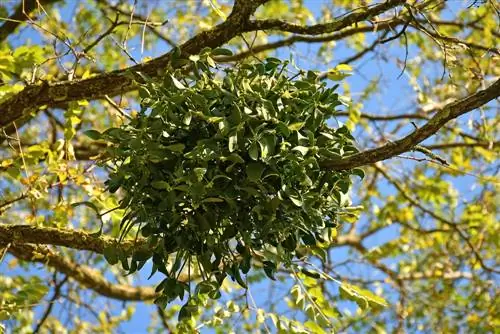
(163, 319)
(114, 24)
(55, 296)
(117, 107)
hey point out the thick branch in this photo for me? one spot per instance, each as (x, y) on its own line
(386, 25)
(121, 81)
(389, 150)
(74, 239)
(84, 275)
(324, 28)
(383, 26)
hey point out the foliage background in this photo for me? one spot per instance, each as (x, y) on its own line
(425, 240)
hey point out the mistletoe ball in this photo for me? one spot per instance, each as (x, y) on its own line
(222, 164)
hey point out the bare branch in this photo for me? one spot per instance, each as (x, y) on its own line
(445, 146)
(84, 275)
(324, 28)
(384, 26)
(391, 149)
(454, 226)
(21, 14)
(152, 27)
(57, 293)
(452, 275)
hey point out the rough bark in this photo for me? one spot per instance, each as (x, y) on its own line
(84, 275)
(391, 149)
(27, 102)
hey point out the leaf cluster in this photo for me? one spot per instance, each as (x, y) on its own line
(224, 164)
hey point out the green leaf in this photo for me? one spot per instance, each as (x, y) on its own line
(111, 255)
(215, 7)
(144, 92)
(344, 186)
(184, 313)
(187, 118)
(295, 200)
(210, 61)
(303, 85)
(28, 55)
(310, 273)
(135, 144)
(222, 52)
(177, 83)
(200, 173)
(290, 243)
(270, 269)
(213, 200)
(361, 296)
(234, 157)
(302, 149)
(320, 252)
(215, 119)
(359, 172)
(343, 67)
(340, 72)
(87, 204)
(283, 129)
(93, 134)
(267, 144)
(233, 142)
(253, 151)
(246, 263)
(176, 147)
(160, 185)
(194, 58)
(296, 126)
(254, 171)
(314, 327)
(235, 272)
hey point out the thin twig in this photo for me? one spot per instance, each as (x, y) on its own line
(55, 296)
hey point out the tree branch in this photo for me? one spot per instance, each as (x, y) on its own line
(452, 275)
(74, 239)
(454, 226)
(391, 149)
(20, 15)
(384, 26)
(121, 81)
(84, 275)
(152, 28)
(57, 293)
(324, 28)
(444, 146)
